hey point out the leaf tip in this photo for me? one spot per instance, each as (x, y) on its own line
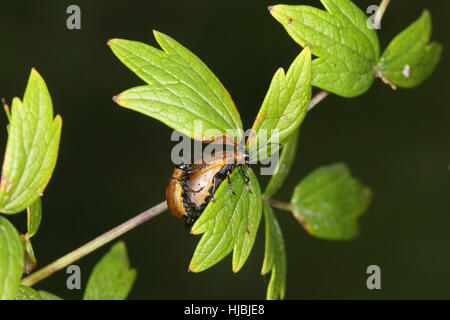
(34, 74)
(58, 120)
(275, 12)
(16, 100)
(426, 13)
(236, 268)
(156, 33)
(192, 269)
(194, 230)
(34, 71)
(264, 271)
(116, 98)
(110, 42)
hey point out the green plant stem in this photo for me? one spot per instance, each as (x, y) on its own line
(93, 245)
(280, 205)
(382, 9)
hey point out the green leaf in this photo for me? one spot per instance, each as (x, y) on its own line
(112, 278)
(34, 216)
(274, 256)
(32, 147)
(228, 224)
(285, 104)
(49, 296)
(7, 111)
(29, 259)
(410, 59)
(180, 89)
(346, 48)
(329, 201)
(11, 260)
(27, 293)
(284, 165)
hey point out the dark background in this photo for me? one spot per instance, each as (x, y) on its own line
(115, 163)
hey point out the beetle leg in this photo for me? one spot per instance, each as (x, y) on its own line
(229, 185)
(210, 198)
(213, 188)
(246, 178)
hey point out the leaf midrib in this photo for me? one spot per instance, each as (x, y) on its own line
(238, 126)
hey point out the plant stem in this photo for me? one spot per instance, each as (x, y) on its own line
(94, 244)
(379, 15)
(317, 99)
(280, 205)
